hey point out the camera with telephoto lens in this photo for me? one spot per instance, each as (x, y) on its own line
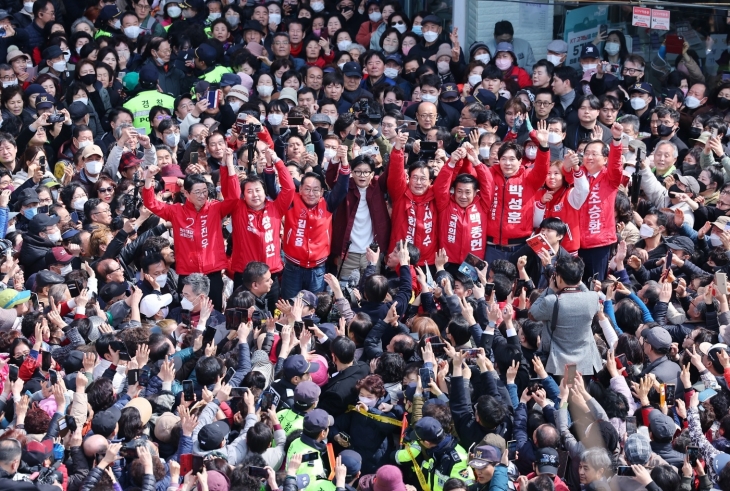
(133, 202)
(56, 118)
(252, 138)
(365, 113)
(49, 475)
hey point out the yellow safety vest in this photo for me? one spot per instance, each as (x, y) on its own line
(314, 469)
(141, 104)
(290, 421)
(214, 76)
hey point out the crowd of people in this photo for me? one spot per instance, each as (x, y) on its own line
(319, 246)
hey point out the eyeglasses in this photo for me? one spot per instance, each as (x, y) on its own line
(162, 117)
(102, 212)
(110, 189)
(544, 103)
(112, 272)
(427, 116)
(362, 173)
(632, 71)
(311, 190)
(200, 193)
(419, 179)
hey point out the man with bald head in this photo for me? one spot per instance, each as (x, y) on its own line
(431, 98)
(95, 444)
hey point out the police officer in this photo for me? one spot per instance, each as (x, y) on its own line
(315, 457)
(205, 65)
(306, 396)
(489, 465)
(296, 370)
(352, 462)
(444, 458)
(150, 95)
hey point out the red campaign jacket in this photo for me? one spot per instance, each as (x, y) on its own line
(257, 234)
(560, 207)
(198, 234)
(414, 217)
(308, 231)
(597, 220)
(510, 219)
(462, 230)
(520, 76)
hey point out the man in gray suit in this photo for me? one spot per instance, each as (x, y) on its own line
(568, 305)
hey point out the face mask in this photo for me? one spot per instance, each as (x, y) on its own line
(416, 30)
(329, 153)
(613, 48)
(531, 152)
(186, 304)
(84, 100)
(30, 213)
(589, 66)
(430, 36)
(554, 138)
(391, 73)
(55, 237)
(484, 58)
(375, 16)
(10, 84)
(275, 119)
(317, 32)
(317, 6)
(341, 65)
(132, 32)
(443, 67)
(278, 80)
(723, 103)
(646, 231)
(84, 144)
(67, 269)
(117, 24)
(695, 132)
(233, 21)
(59, 66)
(691, 102)
(188, 14)
(18, 360)
(390, 49)
(630, 156)
(554, 59)
(88, 79)
(172, 139)
(93, 167)
(161, 280)
(343, 45)
(28, 7)
(674, 189)
(368, 401)
(264, 90)
(475, 80)
(174, 11)
(235, 105)
(664, 130)
(429, 98)
(67, 56)
(715, 240)
(638, 103)
(78, 204)
(78, 50)
(273, 18)
(484, 152)
(214, 16)
(503, 64)
(400, 28)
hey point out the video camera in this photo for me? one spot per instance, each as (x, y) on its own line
(365, 113)
(252, 138)
(133, 202)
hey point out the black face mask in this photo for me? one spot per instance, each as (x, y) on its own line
(457, 104)
(664, 130)
(675, 189)
(409, 77)
(88, 79)
(391, 107)
(17, 360)
(723, 103)
(630, 80)
(695, 132)
(703, 186)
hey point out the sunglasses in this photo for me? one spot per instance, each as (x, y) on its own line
(106, 190)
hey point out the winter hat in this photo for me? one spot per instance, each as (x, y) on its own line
(49, 406)
(321, 376)
(388, 478)
(260, 363)
(246, 80)
(217, 481)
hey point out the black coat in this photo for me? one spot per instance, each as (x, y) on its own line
(33, 253)
(339, 391)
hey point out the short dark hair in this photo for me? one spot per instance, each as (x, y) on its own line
(343, 348)
(502, 287)
(554, 223)
(254, 271)
(503, 27)
(207, 370)
(360, 326)
(258, 437)
(570, 269)
(193, 179)
(566, 74)
(549, 68)
(510, 145)
(375, 288)
(459, 329)
(491, 412)
(593, 101)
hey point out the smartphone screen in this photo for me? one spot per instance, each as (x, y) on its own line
(212, 99)
(197, 464)
(193, 158)
(189, 390)
(669, 393)
(425, 374)
(46, 360)
(132, 376)
(12, 373)
(625, 470)
(208, 335)
(229, 375)
(310, 457)
(630, 425)
(488, 289)
(259, 472)
(570, 374)
(53, 377)
(295, 121)
(144, 377)
(231, 320)
(473, 260)
(693, 453)
(185, 317)
(512, 449)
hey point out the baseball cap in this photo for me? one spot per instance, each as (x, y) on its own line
(661, 426)
(485, 455)
(719, 461)
(74, 362)
(108, 12)
(92, 150)
(28, 196)
(212, 435)
(4, 14)
(164, 425)
(58, 255)
(297, 365)
(352, 460)
(197, 5)
(151, 304)
(395, 57)
(557, 46)
(589, 51)
(206, 53)
(547, 460)
(229, 79)
(148, 74)
(46, 277)
(657, 337)
(317, 420)
(112, 290)
(450, 90)
(36, 452)
(680, 243)
(253, 25)
(104, 422)
(637, 449)
(129, 159)
(691, 183)
(309, 298)
(52, 52)
(306, 393)
(11, 297)
(428, 429)
(486, 97)
(711, 350)
(77, 110)
(42, 221)
(643, 87)
(352, 69)
(433, 19)
(505, 46)
(44, 101)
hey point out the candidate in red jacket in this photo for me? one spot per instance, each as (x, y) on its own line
(196, 225)
(414, 216)
(256, 221)
(463, 215)
(509, 222)
(597, 218)
(308, 230)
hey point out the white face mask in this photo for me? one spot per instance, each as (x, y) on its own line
(691, 102)
(317, 6)
(275, 119)
(93, 166)
(164, 311)
(341, 65)
(274, 18)
(390, 49)
(132, 32)
(554, 138)
(391, 73)
(484, 58)
(645, 231)
(589, 66)
(28, 7)
(554, 59)
(430, 36)
(186, 304)
(715, 240)
(375, 16)
(84, 144)
(66, 56)
(400, 28)
(613, 48)
(443, 67)
(475, 80)
(264, 90)
(233, 20)
(235, 105)
(429, 98)
(214, 16)
(85, 100)
(531, 152)
(66, 269)
(161, 280)
(59, 66)
(329, 153)
(343, 45)
(630, 156)
(484, 152)
(172, 139)
(55, 237)
(368, 401)
(117, 24)
(79, 203)
(638, 103)
(174, 11)
(12, 83)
